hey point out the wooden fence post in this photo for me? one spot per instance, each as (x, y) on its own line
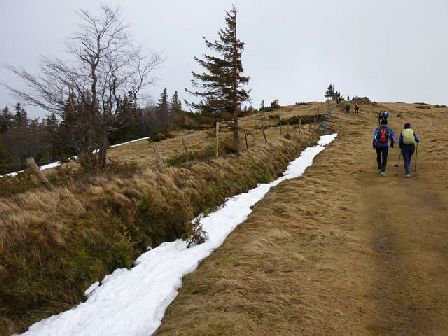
(34, 168)
(217, 140)
(245, 139)
(160, 165)
(281, 133)
(262, 132)
(184, 144)
(300, 126)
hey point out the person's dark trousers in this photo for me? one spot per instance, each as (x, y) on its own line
(407, 152)
(381, 157)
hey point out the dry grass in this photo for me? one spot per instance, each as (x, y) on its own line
(52, 244)
(315, 259)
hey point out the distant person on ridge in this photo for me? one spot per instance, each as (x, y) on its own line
(383, 115)
(407, 142)
(381, 138)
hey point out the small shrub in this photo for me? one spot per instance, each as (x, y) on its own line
(201, 154)
(161, 219)
(306, 119)
(363, 100)
(262, 176)
(195, 234)
(157, 137)
(228, 148)
(275, 105)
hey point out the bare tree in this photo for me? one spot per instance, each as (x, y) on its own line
(105, 72)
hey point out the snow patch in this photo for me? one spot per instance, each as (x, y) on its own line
(133, 302)
(91, 289)
(58, 163)
(132, 141)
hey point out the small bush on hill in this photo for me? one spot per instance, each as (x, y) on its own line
(202, 154)
(275, 105)
(306, 119)
(153, 224)
(194, 234)
(363, 100)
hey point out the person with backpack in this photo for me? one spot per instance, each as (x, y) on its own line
(407, 142)
(383, 115)
(381, 138)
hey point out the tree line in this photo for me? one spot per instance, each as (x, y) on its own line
(57, 138)
(93, 96)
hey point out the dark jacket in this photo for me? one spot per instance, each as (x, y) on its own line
(390, 137)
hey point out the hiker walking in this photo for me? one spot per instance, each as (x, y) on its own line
(381, 138)
(382, 115)
(407, 142)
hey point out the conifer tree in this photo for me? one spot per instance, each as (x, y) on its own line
(330, 92)
(220, 86)
(163, 110)
(5, 120)
(176, 111)
(176, 105)
(21, 117)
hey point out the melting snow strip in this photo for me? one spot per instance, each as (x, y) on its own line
(133, 302)
(58, 163)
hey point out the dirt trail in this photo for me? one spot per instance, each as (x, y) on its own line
(340, 251)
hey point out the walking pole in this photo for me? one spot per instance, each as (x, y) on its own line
(416, 154)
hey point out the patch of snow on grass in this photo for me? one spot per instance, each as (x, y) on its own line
(58, 163)
(133, 302)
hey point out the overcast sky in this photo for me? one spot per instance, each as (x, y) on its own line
(388, 50)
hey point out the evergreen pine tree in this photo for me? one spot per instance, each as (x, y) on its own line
(163, 110)
(176, 105)
(176, 111)
(220, 86)
(21, 117)
(330, 92)
(51, 122)
(5, 120)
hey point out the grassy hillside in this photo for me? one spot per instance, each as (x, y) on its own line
(54, 244)
(340, 251)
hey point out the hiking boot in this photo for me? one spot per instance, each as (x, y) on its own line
(407, 175)
(382, 173)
